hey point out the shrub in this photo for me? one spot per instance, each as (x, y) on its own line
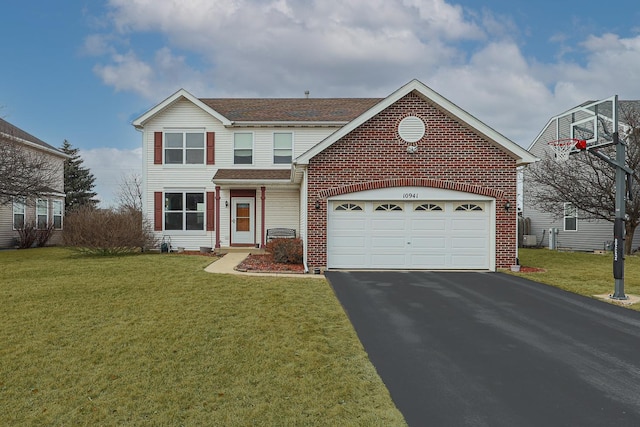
(27, 235)
(107, 231)
(30, 235)
(287, 251)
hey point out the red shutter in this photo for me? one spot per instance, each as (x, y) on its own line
(157, 148)
(210, 210)
(211, 148)
(157, 211)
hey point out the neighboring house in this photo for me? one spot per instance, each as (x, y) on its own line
(570, 229)
(45, 211)
(410, 181)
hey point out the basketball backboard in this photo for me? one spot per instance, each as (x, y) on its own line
(594, 122)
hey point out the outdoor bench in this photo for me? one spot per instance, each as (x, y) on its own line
(281, 233)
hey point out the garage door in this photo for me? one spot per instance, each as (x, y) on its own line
(409, 235)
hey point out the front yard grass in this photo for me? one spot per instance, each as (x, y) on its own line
(154, 340)
(582, 273)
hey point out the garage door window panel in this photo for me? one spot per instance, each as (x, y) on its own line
(348, 207)
(387, 207)
(429, 207)
(468, 207)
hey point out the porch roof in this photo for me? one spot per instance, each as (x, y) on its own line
(251, 175)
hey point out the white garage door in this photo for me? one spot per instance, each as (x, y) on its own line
(409, 235)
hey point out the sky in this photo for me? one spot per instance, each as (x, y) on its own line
(83, 70)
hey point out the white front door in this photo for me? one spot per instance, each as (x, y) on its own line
(242, 221)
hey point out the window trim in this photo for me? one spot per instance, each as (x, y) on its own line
(19, 202)
(184, 149)
(274, 149)
(184, 211)
(565, 207)
(60, 214)
(253, 142)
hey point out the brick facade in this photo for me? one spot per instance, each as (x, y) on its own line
(451, 155)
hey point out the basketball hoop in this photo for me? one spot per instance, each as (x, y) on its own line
(563, 147)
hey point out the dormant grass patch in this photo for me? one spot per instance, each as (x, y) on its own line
(154, 340)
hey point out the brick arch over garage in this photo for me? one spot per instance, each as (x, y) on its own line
(411, 182)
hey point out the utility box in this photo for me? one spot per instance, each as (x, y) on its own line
(529, 240)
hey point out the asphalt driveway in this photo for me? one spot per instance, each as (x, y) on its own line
(490, 349)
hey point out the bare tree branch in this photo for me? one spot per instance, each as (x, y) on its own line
(129, 196)
(26, 172)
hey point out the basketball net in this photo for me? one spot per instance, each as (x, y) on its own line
(563, 147)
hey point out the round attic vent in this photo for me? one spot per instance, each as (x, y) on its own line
(411, 129)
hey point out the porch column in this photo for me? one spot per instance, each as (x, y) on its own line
(217, 216)
(262, 230)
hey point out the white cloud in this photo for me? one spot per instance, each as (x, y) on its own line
(109, 166)
(357, 48)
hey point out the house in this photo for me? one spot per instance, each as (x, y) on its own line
(570, 228)
(48, 209)
(410, 181)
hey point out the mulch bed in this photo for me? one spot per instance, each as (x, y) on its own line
(265, 264)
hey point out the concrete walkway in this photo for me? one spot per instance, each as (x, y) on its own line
(227, 264)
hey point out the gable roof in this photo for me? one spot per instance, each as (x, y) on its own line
(243, 111)
(522, 156)
(177, 96)
(9, 131)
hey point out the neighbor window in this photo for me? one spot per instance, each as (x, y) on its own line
(184, 148)
(42, 213)
(282, 148)
(570, 217)
(57, 214)
(242, 148)
(19, 211)
(184, 211)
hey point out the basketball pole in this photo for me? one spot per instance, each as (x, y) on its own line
(622, 172)
(618, 225)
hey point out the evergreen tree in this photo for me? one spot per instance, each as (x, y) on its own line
(78, 180)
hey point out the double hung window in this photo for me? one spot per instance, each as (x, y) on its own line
(242, 148)
(184, 148)
(57, 214)
(282, 147)
(19, 213)
(42, 213)
(570, 217)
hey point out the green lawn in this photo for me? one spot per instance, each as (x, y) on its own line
(154, 340)
(582, 273)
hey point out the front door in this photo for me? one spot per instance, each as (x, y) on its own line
(242, 221)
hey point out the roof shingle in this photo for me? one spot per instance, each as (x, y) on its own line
(291, 109)
(14, 131)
